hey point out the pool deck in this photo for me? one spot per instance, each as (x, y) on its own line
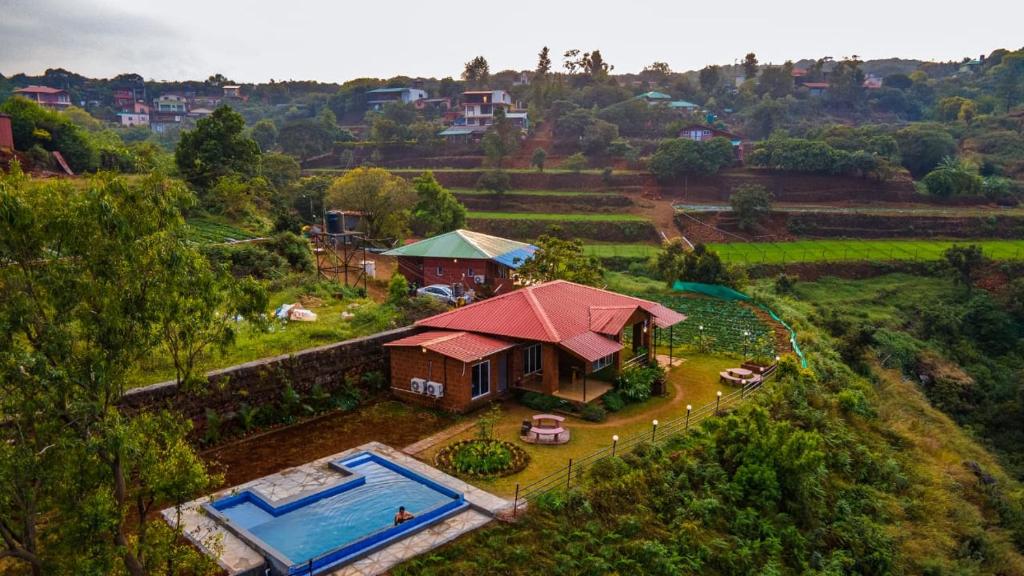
(239, 559)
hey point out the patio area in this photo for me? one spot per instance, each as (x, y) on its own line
(582, 391)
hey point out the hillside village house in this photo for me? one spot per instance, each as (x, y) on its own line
(377, 99)
(45, 96)
(6, 133)
(463, 256)
(133, 118)
(478, 108)
(556, 338)
(702, 133)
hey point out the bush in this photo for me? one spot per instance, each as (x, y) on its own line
(541, 402)
(593, 413)
(613, 401)
(482, 458)
(576, 163)
(635, 384)
(680, 156)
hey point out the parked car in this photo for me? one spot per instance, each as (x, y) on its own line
(441, 292)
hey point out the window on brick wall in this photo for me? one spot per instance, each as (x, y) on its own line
(531, 359)
(439, 271)
(481, 379)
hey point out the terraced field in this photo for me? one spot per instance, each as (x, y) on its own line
(542, 217)
(205, 231)
(824, 250)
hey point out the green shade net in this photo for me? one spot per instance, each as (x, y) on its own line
(726, 293)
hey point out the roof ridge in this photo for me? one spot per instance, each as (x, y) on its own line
(541, 314)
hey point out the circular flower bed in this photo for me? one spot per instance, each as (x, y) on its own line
(482, 458)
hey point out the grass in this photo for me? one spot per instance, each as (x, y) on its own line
(694, 382)
(556, 193)
(481, 169)
(282, 338)
(556, 217)
(824, 250)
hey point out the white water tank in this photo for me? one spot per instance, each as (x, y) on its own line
(370, 268)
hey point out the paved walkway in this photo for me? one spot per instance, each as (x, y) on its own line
(434, 439)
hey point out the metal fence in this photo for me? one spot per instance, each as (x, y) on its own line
(573, 473)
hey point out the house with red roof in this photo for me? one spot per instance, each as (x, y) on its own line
(46, 96)
(703, 133)
(557, 338)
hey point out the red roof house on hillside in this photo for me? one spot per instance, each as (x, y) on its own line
(556, 338)
(45, 96)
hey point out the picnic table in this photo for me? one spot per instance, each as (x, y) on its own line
(740, 372)
(547, 425)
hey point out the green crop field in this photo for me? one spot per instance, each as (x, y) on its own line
(824, 250)
(204, 231)
(537, 216)
(471, 192)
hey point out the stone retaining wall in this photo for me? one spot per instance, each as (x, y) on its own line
(262, 381)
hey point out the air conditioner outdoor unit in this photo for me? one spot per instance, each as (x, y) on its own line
(418, 386)
(479, 279)
(435, 389)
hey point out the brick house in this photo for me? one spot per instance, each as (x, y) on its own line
(45, 96)
(465, 257)
(556, 338)
(6, 133)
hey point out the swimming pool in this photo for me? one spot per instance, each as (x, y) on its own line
(313, 532)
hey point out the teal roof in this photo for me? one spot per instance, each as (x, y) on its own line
(655, 96)
(462, 130)
(681, 104)
(387, 90)
(466, 244)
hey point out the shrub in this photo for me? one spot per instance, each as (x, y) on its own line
(575, 163)
(593, 413)
(752, 204)
(613, 401)
(482, 458)
(541, 402)
(635, 383)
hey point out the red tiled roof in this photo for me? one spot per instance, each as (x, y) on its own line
(38, 90)
(591, 346)
(462, 346)
(550, 312)
(610, 320)
(816, 84)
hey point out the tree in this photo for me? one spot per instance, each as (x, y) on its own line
(216, 148)
(681, 156)
(750, 66)
(501, 139)
(305, 138)
(46, 130)
(437, 210)
(543, 62)
(598, 136)
(776, 81)
(952, 178)
(924, 146)
(538, 158)
(657, 71)
(264, 133)
(752, 204)
(83, 303)
(398, 290)
(384, 199)
(846, 84)
(897, 81)
(963, 261)
(497, 182)
(575, 163)
(281, 170)
(559, 259)
(476, 71)
(709, 78)
(675, 262)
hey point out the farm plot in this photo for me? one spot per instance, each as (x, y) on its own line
(717, 326)
(858, 250)
(204, 231)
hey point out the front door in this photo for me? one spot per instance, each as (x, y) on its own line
(503, 374)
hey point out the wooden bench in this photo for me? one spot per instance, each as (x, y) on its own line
(552, 417)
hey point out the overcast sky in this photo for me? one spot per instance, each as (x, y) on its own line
(333, 41)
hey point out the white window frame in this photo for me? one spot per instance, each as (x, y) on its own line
(472, 371)
(602, 363)
(439, 271)
(538, 363)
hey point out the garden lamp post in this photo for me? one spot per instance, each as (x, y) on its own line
(718, 401)
(687, 425)
(746, 342)
(654, 428)
(615, 442)
(701, 341)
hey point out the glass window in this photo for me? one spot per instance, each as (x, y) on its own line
(603, 362)
(439, 271)
(531, 359)
(469, 272)
(481, 379)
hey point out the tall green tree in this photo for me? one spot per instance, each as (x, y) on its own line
(543, 62)
(477, 71)
(91, 275)
(501, 139)
(385, 200)
(561, 259)
(709, 78)
(750, 66)
(216, 148)
(437, 210)
(964, 261)
(752, 204)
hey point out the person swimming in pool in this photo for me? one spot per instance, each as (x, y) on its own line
(402, 516)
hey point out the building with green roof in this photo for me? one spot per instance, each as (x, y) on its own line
(462, 256)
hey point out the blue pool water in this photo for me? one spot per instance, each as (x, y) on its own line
(337, 520)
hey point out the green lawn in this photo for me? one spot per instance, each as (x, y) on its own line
(694, 382)
(823, 250)
(556, 217)
(281, 338)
